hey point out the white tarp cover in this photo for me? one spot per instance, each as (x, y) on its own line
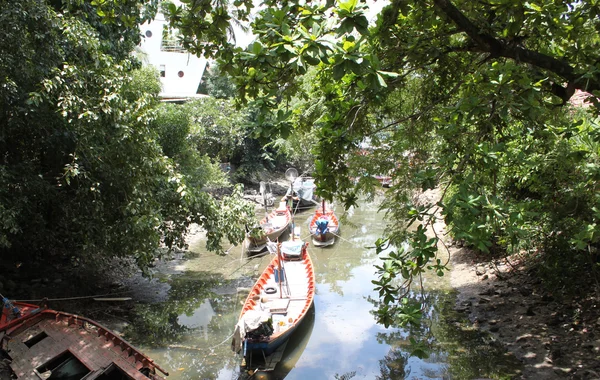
(249, 321)
(304, 187)
(292, 248)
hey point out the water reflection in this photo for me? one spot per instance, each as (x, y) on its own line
(189, 333)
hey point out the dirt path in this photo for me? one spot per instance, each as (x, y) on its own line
(555, 337)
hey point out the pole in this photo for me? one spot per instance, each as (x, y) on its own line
(264, 195)
(291, 207)
(280, 269)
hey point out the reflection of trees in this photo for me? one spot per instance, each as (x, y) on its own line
(200, 355)
(345, 376)
(157, 324)
(460, 352)
(471, 353)
(335, 263)
(333, 270)
(393, 365)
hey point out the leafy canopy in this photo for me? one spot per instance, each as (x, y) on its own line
(469, 96)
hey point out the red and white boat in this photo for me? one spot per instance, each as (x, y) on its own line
(277, 303)
(270, 228)
(324, 226)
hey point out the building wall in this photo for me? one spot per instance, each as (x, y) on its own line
(181, 71)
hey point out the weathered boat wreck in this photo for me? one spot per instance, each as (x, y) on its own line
(42, 343)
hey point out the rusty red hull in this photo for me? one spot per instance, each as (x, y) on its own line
(40, 341)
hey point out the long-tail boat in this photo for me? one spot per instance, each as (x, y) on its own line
(270, 228)
(277, 303)
(324, 226)
(301, 193)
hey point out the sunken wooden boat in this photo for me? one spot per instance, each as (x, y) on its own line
(277, 303)
(324, 226)
(271, 227)
(47, 344)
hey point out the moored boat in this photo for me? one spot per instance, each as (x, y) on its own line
(301, 193)
(324, 226)
(270, 228)
(277, 303)
(42, 343)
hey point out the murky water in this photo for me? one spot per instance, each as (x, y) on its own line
(189, 333)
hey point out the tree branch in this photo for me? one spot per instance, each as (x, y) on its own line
(484, 41)
(497, 48)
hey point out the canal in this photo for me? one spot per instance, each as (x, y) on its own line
(186, 323)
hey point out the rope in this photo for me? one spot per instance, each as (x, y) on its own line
(200, 348)
(346, 240)
(240, 267)
(73, 298)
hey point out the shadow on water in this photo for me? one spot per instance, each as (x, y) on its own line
(451, 349)
(189, 333)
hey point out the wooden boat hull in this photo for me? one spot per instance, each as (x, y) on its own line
(302, 204)
(286, 303)
(273, 225)
(256, 245)
(302, 194)
(269, 347)
(324, 240)
(41, 341)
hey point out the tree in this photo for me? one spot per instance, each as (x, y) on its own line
(82, 173)
(217, 84)
(472, 97)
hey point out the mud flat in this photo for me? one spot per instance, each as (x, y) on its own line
(555, 336)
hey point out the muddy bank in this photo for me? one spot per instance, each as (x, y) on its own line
(555, 336)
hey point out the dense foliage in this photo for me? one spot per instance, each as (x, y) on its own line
(216, 84)
(87, 172)
(470, 97)
(241, 135)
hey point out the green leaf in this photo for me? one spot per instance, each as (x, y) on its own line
(339, 71)
(348, 5)
(380, 80)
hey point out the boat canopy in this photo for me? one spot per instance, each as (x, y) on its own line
(304, 187)
(292, 248)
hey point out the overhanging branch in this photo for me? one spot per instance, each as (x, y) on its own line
(497, 48)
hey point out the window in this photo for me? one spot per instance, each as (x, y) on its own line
(162, 71)
(63, 367)
(148, 33)
(180, 74)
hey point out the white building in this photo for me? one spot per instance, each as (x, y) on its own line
(180, 71)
